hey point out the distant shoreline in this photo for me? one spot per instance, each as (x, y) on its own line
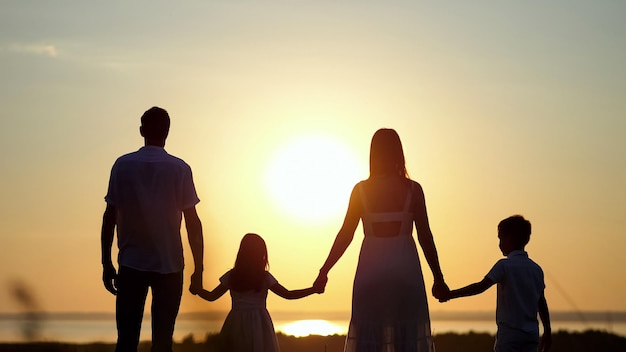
(565, 316)
(85, 327)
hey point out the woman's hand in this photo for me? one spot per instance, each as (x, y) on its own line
(440, 289)
(320, 283)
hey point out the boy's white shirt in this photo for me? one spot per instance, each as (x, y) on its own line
(520, 284)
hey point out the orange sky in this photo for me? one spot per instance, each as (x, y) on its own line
(503, 108)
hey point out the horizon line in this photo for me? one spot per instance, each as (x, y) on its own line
(478, 315)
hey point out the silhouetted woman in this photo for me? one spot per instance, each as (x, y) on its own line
(389, 307)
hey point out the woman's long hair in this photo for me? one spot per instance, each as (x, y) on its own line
(386, 154)
(250, 265)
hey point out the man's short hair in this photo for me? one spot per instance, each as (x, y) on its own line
(155, 123)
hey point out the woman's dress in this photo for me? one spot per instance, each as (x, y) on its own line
(248, 326)
(389, 307)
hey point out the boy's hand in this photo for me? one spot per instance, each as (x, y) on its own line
(444, 295)
(545, 343)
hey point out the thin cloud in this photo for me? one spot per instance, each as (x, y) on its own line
(48, 50)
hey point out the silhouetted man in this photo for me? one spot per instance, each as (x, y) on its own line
(149, 192)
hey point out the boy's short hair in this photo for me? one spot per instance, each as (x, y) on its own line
(516, 226)
(155, 123)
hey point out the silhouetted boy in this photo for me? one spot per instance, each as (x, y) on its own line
(520, 292)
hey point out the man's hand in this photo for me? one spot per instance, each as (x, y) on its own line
(196, 283)
(109, 277)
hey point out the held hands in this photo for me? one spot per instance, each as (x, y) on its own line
(318, 289)
(445, 298)
(320, 283)
(196, 283)
(441, 291)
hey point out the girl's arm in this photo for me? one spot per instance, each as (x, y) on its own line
(213, 295)
(293, 294)
(343, 239)
(427, 242)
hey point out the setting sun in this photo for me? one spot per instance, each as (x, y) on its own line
(302, 328)
(311, 177)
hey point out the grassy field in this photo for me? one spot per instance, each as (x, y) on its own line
(563, 341)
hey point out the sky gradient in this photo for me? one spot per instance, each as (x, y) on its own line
(503, 108)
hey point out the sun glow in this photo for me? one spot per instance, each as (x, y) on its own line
(311, 177)
(302, 328)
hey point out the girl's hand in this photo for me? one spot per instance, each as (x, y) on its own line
(196, 283)
(318, 289)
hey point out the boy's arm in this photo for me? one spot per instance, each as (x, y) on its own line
(546, 340)
(470, 290)
(281, 291)
(213, 295)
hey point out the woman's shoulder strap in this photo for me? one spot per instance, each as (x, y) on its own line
(409, 196)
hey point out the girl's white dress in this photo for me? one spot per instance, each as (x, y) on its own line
(389, 307)
(248, 326)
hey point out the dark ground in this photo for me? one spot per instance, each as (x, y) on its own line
(563, 341)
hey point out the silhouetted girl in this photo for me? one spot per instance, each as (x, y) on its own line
(248, 326)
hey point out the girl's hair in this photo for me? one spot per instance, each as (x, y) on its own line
(250, 265)
(386, 154)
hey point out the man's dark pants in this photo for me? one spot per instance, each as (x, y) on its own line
(132, 286)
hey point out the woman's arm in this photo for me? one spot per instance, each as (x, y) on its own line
(281, 291)
(427, 242)
(213, 295)
(343, 239)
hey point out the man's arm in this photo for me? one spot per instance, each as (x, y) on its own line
(109, 275)
(196, 242)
